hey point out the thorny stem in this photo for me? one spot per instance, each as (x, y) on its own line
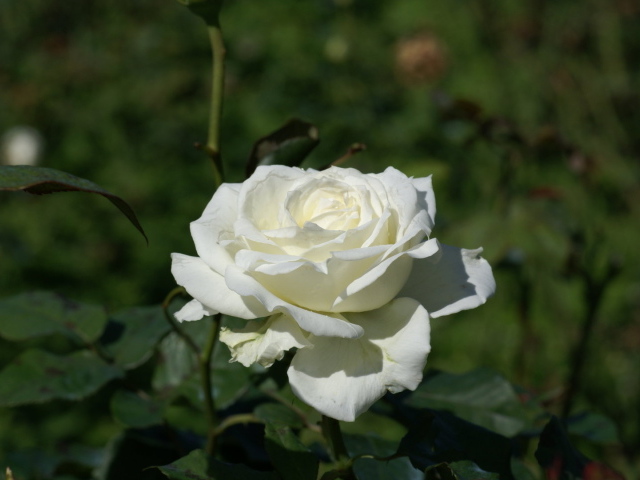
(205, 377)
(204, 364)
(594, 292)
(217, 90)
(333, 435)
(174, 323)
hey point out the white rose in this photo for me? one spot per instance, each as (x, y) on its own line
(342, 265)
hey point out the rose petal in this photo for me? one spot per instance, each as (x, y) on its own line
(381, 283)
(342, 378)
(264, 341)
(193, 310)
(458, 279)
(404, 198)
(215, 225)
(310, 285)
(210, 289)
(263, 195)
(426, 197)
(329, 324)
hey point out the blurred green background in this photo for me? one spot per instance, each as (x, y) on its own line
(527, 114)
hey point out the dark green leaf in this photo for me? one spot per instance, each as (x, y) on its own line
(481, 396)
(289, 145)
(521, 471)
(373, 469)
(278, 415)
(557, 455)
(38, 463)
(208, 10)
(593, 426)
(35, 314)
(398, 468)
(134, 410)
(176, 363)
(369, 445)
(198, 466)
(441, 471)
(438, 437)
(143, 328)
(230, 380)
(562, 461)
(289, 456)
(130, 454)
(463, 470)
(178, 368)
(42, 180)
(36, 376)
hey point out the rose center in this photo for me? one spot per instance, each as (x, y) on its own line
(329, 207)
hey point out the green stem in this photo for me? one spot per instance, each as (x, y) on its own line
(217, 92)
(174, 323)
(205, 378)
(333, 436)
(239, 419)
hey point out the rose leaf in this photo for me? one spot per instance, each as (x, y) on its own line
(37, 376)
(135, 411)
(42, 180)
(139, 329)
(481, 396)
(198, 466)
(289, 145)
(291, 458)
(36, 314)
(463, 470)
(435, 437)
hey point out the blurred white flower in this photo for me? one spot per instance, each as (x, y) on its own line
(21, 145)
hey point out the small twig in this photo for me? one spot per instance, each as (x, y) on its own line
(351, 151)
(241, 418)
(594, 292)
(174, 323)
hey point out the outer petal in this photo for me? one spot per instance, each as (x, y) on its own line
(405, 198)
(426, 196)
(342, 378)
(193, 310)
(264, 341)
(381, 283)
(215, 225)
(458, 279)
(317, 323)
(210, 289)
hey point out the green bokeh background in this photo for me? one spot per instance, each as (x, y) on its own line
(539, 165)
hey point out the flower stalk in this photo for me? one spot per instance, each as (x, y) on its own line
(217, 93)
(174, 323)
(333, 435)
(205, 377)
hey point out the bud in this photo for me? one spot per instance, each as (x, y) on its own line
(420, 59)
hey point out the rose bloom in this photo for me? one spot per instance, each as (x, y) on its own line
(341, 265)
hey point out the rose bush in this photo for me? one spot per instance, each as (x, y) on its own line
(342, 266)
